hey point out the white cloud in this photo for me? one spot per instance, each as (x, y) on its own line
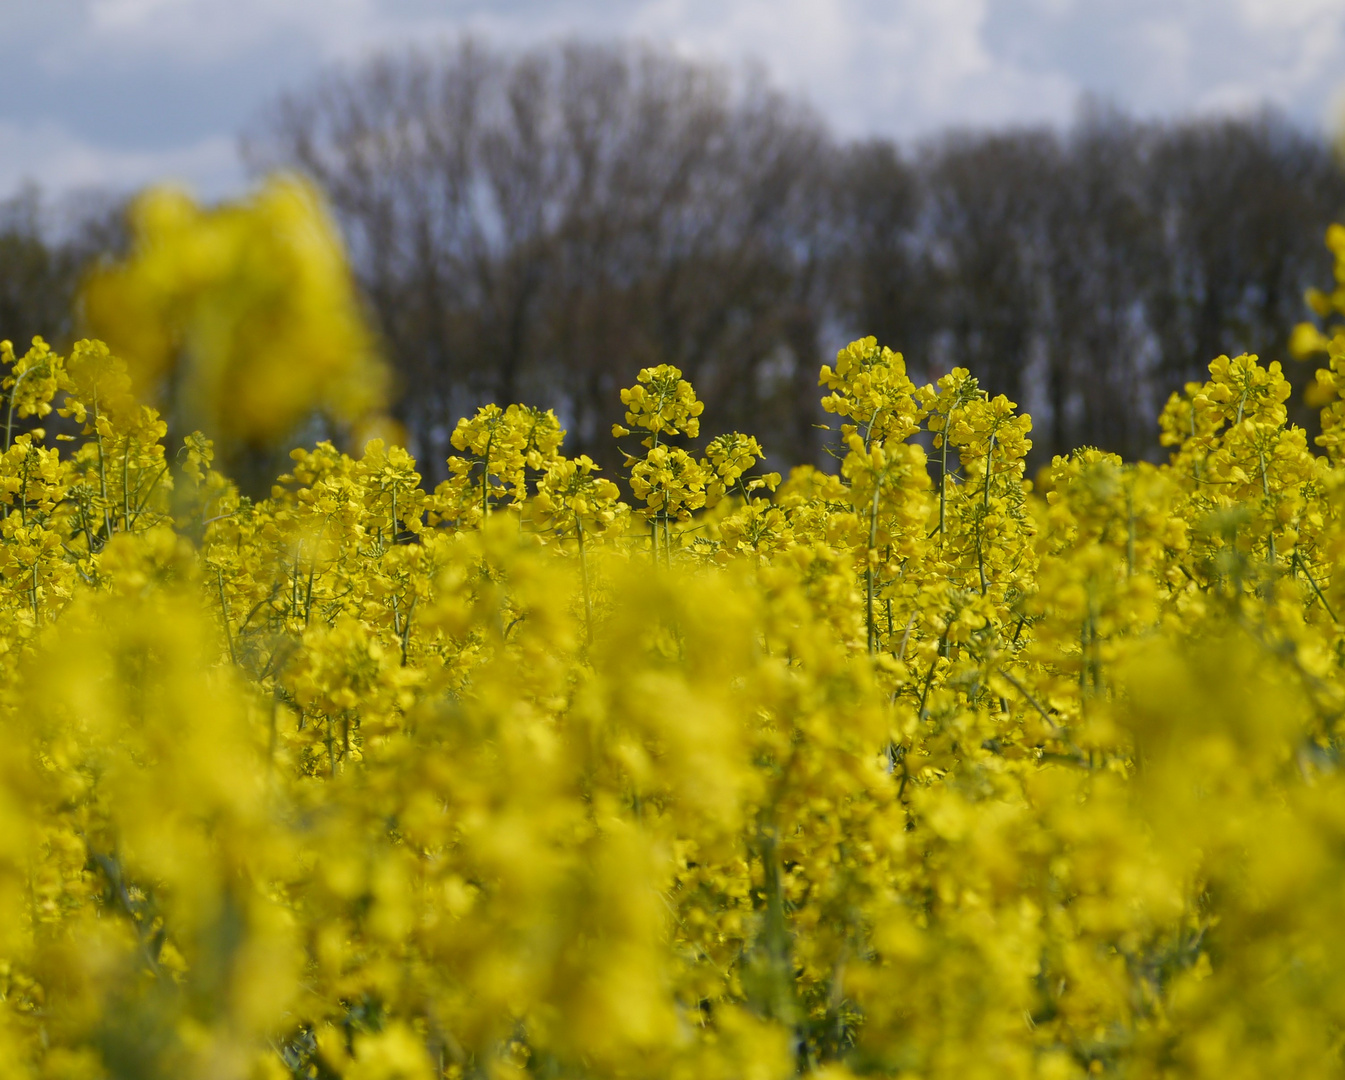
(897, 66)
(190, 32)
(128, 87)
(52, 157)
(1278, 15)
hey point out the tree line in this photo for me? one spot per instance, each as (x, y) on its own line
(536, 226)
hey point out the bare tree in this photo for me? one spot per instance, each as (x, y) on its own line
(1104, 249)
(538, 226)
(1087, 273)
(39, 275)
(1243, 205)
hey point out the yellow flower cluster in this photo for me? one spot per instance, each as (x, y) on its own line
(245, 315)
(916, 770)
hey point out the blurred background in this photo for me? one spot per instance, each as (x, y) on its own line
(1082, 201)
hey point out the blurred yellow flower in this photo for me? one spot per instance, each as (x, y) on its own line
(914, 769)
(243, 316)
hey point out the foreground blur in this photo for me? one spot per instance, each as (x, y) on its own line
(913, 770)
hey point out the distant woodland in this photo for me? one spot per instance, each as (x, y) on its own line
(537, 226)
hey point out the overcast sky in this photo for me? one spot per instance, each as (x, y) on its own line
(121, 92)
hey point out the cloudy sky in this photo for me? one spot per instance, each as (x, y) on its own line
(119, 92)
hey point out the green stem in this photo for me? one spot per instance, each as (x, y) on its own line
(224, 610)
(985, 508)
(1307, 574)
(943, 477)
(868, 564)
(1030, 699)
(485, 480)
(126, 486)
(406, 629)
(13, 393)
(1265, 489)
(1130, 532)
(929, 678)
(102, 470)
(583, 577)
